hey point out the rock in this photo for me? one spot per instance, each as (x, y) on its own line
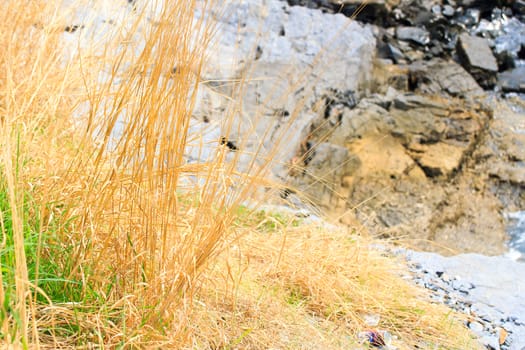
(324, 170)
(375, 11)
(448, 11)
(501, 154)
(436, 9)
(414, 34)
(406, 102)
(497, 279)
(512, 80)
(495, 301)
(519, 6)
(439, 159)
(477, 58)
(281, 73)
(491, 342)
(511, 36)
(394, 53)
(439, 76)
(476, 327)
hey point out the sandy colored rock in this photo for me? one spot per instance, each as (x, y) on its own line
(440, 159)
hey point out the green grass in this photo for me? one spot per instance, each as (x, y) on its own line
(49, 260)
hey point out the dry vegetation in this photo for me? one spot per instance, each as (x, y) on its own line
(110, 239)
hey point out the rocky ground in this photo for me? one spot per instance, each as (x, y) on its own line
(489, 290)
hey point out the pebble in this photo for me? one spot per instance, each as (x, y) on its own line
(448, 11)
(476, 327)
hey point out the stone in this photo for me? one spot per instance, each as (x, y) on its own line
(477, 58)
(440, 159)
(438, 76)
(476, 327)
(416, 35)
(448, 11)
(498, 280)
(512, 80)
(519, 6)
(511, 37)
(394, 53)
(491, 342)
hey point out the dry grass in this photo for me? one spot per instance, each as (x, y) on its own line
(110, 239)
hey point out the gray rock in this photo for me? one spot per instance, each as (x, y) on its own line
(491, 342)
(497, 298)
(476, 327)
(395, 53)
(415, 34)
(512, 80)
(448, 11)
(477, 58)
(512, 36)
(302, 53)
(439, 76)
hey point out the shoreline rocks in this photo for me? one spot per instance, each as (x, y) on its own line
(488, 290)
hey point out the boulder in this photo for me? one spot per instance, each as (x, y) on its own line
(477, 58)
(512, 80)
(438, 76)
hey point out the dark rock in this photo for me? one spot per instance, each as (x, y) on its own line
(395, 54)
(73, 28)
(519, 7)
(414, 34)
(512, 80)
(477, 58)
(375, 11)
(506, 61)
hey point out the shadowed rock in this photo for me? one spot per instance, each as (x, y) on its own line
(477, 58)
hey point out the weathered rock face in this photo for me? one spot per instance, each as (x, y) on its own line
(413, 178)
(438, 76)
(500, 158)
(328, 166)
(278, 60)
